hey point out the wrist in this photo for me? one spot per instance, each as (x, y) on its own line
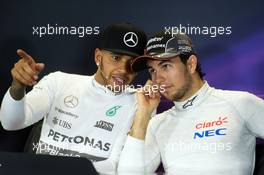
(17, 90)
(16, 85)
(140, 124)
(138, 133)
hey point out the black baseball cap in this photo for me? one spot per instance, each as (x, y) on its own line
(163, 46)
(124, 38)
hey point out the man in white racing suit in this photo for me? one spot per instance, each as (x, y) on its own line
(84, 116)
(208, 131)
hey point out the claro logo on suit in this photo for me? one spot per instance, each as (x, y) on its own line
(211, 131)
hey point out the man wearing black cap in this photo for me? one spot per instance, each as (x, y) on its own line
(84, 116)
(208, 131)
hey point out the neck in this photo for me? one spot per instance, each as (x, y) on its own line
(99, 78)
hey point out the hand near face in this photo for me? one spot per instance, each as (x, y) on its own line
(148, 99)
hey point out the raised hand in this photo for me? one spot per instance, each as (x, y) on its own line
(26, 70)
(148, 99)
(25, 73)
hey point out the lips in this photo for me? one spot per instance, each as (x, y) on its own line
(119, 80)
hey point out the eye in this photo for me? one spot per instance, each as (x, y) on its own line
(151, 71)
(116, 57)
(165, 66)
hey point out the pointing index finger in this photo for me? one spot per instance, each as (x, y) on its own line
(24, 55)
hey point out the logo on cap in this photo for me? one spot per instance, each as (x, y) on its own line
(130, 39)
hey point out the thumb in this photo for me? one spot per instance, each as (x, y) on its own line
(39, 67)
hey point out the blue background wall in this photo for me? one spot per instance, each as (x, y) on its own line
(234, 61)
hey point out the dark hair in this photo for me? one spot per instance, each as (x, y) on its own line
(185, 57)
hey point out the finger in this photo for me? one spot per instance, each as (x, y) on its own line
(25, 76)
(28, 70)
(39, 67)
(16, 75)
(149, 89)
(23, 66)
(153, 92)
(149, 82)
(141, 97)
(140, 92)
(26, 66)
(157, 95)
(25, 56)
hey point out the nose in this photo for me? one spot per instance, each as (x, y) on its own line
(125, 66)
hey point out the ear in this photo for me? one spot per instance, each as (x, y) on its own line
(97, 56)
(192, 64)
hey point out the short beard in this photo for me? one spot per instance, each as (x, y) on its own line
(116, 88)
(185, 88)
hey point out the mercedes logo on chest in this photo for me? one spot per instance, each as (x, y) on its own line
(130, 39)
(71, 101)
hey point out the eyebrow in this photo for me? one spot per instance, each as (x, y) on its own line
(160, 63)
(164, 61)
(115, 54)
(112, 53)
